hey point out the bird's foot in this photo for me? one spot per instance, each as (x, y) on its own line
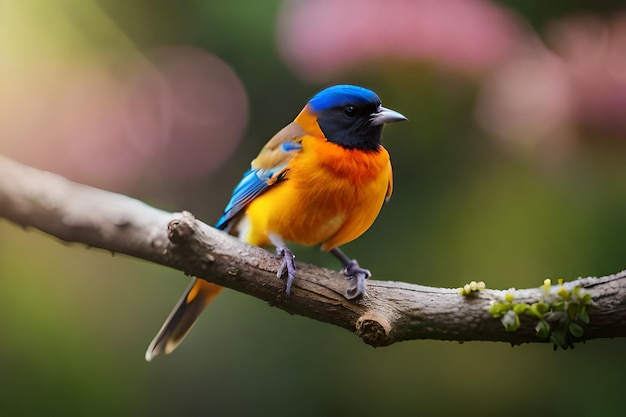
(288, 264)
(356, 276)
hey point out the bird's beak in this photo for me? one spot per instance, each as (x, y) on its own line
(384, 115)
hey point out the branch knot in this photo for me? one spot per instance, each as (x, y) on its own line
(180, 230)
(374, 328)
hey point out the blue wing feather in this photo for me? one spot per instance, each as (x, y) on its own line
(290, 146)
(253, 184)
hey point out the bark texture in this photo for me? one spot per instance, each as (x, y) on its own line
(391, 312)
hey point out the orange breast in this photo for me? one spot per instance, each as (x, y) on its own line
(330, 195)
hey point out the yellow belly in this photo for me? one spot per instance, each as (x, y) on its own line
(329, 196)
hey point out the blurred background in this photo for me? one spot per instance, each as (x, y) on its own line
(510, 170)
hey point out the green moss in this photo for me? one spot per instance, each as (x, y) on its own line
(560, 313)
(472, 288)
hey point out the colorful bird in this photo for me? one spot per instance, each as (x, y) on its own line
(321, 180)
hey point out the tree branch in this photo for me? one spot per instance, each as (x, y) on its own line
(391, 312)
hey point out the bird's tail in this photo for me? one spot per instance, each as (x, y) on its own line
(182, 318)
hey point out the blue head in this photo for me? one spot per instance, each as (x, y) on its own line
(351, 116)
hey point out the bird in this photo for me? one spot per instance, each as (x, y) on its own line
(321, 180)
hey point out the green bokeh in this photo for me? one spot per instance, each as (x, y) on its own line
(75, 322)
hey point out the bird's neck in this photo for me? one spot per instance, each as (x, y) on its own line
(308, 123)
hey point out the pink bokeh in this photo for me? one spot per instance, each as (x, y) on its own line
(548, 96)
(594, 51)
(178, 113)
(320, 38)
(527, 99)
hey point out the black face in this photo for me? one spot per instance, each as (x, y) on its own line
(349, 125)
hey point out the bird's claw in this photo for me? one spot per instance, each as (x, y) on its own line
(356, 277)
(288, 263)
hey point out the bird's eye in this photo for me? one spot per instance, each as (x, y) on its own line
(349, 110)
